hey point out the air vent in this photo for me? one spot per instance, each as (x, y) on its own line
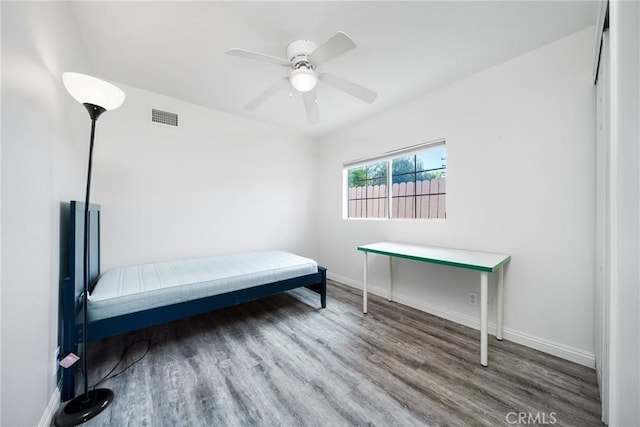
(164, 117)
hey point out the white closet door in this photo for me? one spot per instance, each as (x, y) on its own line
(603, 255)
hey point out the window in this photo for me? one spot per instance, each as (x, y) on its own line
(368, 191)
(416, 177)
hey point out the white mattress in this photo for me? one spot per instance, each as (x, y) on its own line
(141, 287)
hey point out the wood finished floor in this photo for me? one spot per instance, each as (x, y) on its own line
(283, 361)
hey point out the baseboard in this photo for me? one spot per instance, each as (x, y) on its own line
(556, 349)
(52, 408)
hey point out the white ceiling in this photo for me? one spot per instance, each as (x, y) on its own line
(405, 49)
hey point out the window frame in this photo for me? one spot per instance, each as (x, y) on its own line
(387, 157)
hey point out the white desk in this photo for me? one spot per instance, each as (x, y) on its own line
(483, 262)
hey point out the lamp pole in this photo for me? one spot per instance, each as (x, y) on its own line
(94, 113)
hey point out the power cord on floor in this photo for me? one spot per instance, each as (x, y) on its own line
(122, 356)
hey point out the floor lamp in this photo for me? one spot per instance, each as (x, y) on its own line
(97, 96)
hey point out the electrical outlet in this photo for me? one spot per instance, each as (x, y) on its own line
(473, 298)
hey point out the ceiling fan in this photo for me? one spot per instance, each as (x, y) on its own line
(304, 57)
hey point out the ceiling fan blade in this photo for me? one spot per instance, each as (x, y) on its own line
(335, 46)
(311, 107)
(249, 54)
(353, 89)
(267, 93)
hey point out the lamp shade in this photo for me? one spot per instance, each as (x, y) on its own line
(90, 90)
(303, 79)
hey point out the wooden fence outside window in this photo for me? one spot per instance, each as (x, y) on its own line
(420, 199)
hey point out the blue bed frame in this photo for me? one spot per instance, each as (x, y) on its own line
(72, 287)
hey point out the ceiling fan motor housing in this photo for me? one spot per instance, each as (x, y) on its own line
(298, 53)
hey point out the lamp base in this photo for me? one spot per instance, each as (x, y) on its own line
(83, 407)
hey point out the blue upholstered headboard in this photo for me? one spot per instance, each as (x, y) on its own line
(76, 241)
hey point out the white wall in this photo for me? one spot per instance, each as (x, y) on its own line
(624, 345)
(44, 146)
(214, 184)
(525, 128)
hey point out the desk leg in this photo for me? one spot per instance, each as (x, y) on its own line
(500, 308)
(484, 344)
(364, 286)
(390, 279)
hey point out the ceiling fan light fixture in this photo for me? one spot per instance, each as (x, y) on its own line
(304, 79)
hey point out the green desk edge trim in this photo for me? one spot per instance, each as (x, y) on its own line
(438, 261)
